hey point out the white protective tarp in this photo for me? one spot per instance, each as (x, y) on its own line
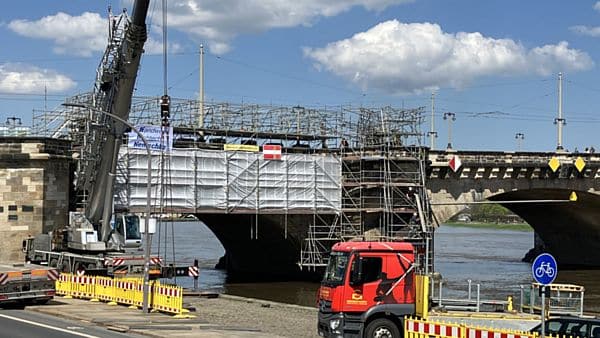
(230, 181)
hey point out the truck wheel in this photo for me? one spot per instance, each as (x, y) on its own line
(382, 328)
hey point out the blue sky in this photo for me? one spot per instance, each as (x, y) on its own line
(493, 63)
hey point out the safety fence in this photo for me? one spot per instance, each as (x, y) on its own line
(563, 299)
(419, 328)
(126, 291)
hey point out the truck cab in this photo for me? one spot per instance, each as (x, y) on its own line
(367, 289)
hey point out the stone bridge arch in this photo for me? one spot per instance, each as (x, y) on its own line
(569, 230)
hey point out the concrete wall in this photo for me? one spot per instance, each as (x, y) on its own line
(34, 190)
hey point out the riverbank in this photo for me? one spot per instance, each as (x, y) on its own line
(496, 226)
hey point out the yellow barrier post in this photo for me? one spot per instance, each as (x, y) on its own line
(422, 296)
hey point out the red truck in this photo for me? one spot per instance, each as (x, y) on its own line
(367, 290)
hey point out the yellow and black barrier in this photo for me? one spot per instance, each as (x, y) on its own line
(126, 291)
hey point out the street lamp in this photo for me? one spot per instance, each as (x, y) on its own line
(450, 117)
(519, 137)
(146, 287)
(13, 121)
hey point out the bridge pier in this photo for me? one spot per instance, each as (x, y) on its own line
(257, 248)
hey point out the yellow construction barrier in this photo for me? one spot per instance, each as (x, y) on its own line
(127, 291)
(167, 298)
(105, 290)
(124, 290)
(83, 287)
(63, 286)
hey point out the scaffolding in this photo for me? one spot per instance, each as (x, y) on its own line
(382, 188)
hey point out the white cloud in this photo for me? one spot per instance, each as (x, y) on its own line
(217, 22)
(25, 79)
(408, 58)
(586, 30)
(77, 35)
(154, 46)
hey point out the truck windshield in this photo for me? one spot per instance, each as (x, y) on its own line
(336, 269)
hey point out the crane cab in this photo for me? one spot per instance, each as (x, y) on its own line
(129, 229)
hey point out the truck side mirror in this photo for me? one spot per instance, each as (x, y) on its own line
(356, 275)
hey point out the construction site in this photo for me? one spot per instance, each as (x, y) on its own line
(342, 174)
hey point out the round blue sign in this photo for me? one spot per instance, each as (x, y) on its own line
(544, 269)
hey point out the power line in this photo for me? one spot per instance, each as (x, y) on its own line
(292, 77)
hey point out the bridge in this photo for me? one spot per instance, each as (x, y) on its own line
(251, 203)
(569, 230)
(338, 174)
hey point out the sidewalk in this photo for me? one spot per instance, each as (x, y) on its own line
(225, 316)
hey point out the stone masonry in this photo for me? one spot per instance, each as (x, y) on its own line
(34, 190)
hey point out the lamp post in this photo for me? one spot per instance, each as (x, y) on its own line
(560, 121)
(146, 287)
(432, 133)
(519, 137)
(450, 117)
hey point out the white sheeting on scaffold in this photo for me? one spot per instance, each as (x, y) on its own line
(231, 180)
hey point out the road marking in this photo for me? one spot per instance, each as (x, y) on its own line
(48, 326)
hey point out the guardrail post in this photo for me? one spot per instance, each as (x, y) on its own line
(581, 304)
(432, 282)
(478, 296)
(531, 299)
(440, 301)
(521, 298)
(469, 281)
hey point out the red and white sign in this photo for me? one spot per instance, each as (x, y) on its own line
(455, 163)
(53, 274)
(193, 271)
(3, 278)
(156, 260)
(118, 261)
(272, 152)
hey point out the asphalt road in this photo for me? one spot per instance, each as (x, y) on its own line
(17, 323)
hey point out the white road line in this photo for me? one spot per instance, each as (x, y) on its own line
(48, 326)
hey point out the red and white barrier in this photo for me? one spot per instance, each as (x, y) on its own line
(480, 333)
(437, 329)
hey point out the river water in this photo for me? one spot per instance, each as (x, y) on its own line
(489, 257)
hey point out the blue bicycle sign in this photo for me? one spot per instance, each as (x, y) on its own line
(544, 269)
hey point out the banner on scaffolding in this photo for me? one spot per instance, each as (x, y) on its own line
(158, 138)
(272, 152)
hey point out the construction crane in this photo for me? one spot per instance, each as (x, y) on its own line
(91, 240)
